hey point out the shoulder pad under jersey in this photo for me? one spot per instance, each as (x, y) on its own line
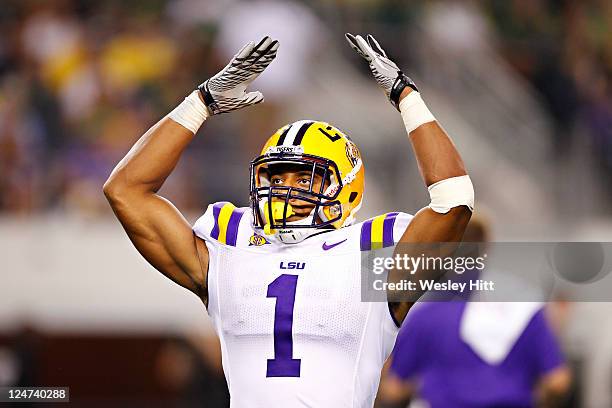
(221, 223)
(384, 230)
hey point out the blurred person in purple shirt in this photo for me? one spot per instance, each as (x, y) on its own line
(435, 364)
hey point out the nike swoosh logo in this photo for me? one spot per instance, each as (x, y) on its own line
(328, 247)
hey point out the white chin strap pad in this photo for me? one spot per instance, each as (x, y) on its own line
(451, 192)
(293, 235)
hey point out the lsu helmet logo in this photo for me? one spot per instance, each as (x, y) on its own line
(352, 153)
(257, 240)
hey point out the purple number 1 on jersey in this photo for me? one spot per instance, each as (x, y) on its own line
(283, 364)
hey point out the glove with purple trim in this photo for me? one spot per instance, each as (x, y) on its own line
(390, 78)
(226, 91)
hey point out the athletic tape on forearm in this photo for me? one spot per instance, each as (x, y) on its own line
(190, 113)
(451, 192)
(414, 111)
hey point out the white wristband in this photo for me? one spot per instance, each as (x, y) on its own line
(414, 111)
(190, 113)
(451, 192)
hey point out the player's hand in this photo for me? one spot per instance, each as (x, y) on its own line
(386, 72)
(226, 91)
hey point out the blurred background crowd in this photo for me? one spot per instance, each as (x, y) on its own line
(524, 87)
(80, 81)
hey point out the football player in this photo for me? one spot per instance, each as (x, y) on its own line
(281, 278)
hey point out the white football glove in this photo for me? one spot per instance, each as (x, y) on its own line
(390, 78)
(226, 91)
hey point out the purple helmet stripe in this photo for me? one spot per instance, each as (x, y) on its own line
(232, 226)
(388, 224)
(366, 235)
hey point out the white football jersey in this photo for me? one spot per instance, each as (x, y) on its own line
(293, 329)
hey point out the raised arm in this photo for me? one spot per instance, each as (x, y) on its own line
(156, 228)
(452, 198)
(441, 166)
(451, 191)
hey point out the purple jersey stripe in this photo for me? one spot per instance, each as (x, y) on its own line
(232, 226)
(216, 210)
(366, 235)
(388, 229)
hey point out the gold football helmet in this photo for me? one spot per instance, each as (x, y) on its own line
(325, 152)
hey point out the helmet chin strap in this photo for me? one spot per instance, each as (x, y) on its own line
(295, 235)
(286, 235)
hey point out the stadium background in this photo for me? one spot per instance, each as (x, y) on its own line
(523, 86)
